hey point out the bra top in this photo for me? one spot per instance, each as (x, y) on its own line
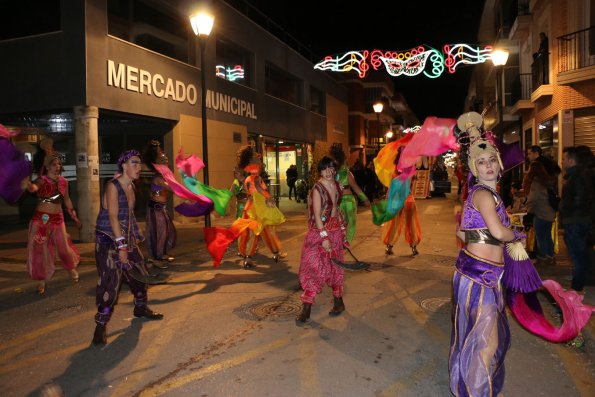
(472, 219)
(343, 176)
(52, 191)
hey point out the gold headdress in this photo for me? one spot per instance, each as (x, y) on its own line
(470, 123)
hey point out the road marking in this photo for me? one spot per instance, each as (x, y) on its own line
(197, 375)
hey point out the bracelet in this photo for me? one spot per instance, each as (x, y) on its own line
(121, 243)
(324, 234)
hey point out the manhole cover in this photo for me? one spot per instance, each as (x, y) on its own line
(436, 305)
(273, 309)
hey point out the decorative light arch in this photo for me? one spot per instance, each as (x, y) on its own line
(421, 59)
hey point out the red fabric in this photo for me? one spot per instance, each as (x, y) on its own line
(219, 238)
(575, 314)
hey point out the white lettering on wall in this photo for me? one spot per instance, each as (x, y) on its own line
(133, 79)
(229, 104)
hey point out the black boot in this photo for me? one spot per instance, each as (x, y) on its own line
(100, 335)
(144, 311)
(414, 250)
(389, 249)
(338, 306)
(247, 263)
(305, 314)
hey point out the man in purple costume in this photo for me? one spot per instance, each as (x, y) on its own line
(481, 334)
(117, 253)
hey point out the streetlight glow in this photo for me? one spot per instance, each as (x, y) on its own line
(378, 106)
(499, 57)
(202, 23)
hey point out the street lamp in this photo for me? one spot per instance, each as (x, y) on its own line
(378, 106)
(499, 58)
(202, 23)
(389, 136)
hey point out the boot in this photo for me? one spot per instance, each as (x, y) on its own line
(247, 263)
(41, 287)
(144, 311)
(100, 335)
(389, 249)
(74, 275)
(338, 307)
(305, 314)
(414, 250)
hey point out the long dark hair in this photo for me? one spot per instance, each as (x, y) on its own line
(338, 154)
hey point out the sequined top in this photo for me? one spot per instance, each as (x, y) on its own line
(473, 224)
(52, 191)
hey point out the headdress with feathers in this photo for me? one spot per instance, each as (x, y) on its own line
(470, 125)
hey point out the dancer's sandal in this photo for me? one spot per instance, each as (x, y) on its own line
(74, 275)
(389, 250)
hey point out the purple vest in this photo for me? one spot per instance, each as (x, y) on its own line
(472, 219)
(125, 216)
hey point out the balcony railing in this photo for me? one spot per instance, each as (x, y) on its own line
(522, 87)
(576, 50)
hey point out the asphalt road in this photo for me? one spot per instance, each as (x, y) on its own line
(228, 331)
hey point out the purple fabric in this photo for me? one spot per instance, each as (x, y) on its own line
(520, 276)
(161, 233)
(125, 156)
(511, 154)
(472, 218)
(194, 209)
(15, 168)
(480, 329)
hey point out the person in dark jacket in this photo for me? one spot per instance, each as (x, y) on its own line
(575, 214)
(292, 175)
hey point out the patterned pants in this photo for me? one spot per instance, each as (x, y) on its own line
(111, 277)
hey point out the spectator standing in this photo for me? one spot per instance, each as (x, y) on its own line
(542, 175)
(291, 175)
(542, 57)
(575, 214)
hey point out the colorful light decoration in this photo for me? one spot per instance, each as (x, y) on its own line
(228, 73)
(421, 59)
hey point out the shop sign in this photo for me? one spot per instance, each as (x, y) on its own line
(230, 104)
(143, 82)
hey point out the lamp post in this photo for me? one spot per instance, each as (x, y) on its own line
(499, 58)
(202, 23)
(378, 106)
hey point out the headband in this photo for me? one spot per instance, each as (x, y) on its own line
(124, 157)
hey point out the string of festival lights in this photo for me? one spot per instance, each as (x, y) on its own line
(421, 59)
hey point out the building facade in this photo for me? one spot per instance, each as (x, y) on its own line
(102, 77)
(545, 94)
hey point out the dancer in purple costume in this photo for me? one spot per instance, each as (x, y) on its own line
(160, 231)
(324, 241)
(481, 334)
(116, 250)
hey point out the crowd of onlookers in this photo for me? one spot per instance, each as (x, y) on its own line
(550, 203)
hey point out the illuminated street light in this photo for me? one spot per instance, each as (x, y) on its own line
(378, 106)
(202, 23)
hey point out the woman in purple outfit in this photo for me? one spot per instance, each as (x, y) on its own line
(481, 335)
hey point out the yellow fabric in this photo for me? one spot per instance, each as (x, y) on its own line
(263, 214)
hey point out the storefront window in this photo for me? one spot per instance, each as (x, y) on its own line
(548, 138)
(233, 63)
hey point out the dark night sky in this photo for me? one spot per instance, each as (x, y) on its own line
(333, 27)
